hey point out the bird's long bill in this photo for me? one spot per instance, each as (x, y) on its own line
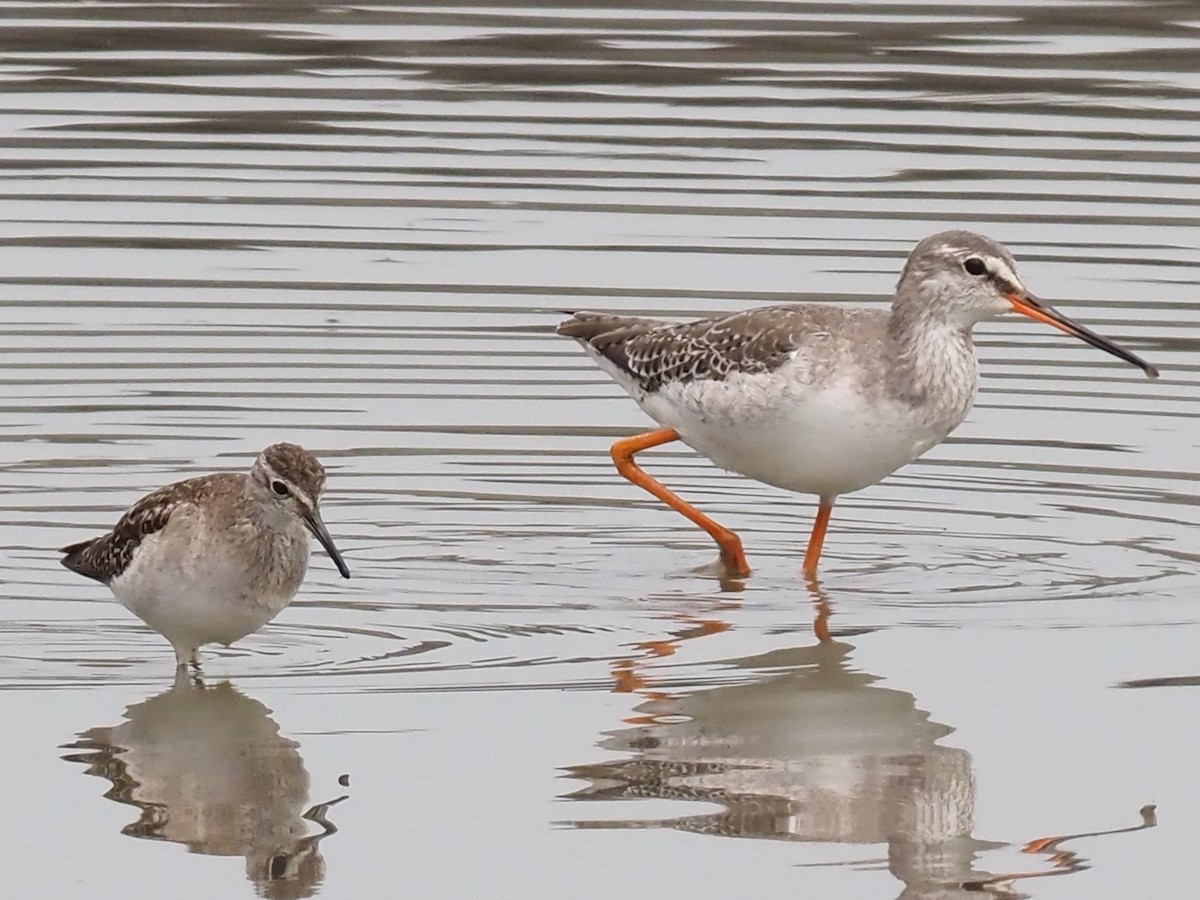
(312, 519)
(1031, 306)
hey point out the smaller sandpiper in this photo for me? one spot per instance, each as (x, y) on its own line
(212, 559)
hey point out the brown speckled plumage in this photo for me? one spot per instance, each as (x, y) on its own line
(212, 559)
(104, 558)
(298, 466)
(753, 341)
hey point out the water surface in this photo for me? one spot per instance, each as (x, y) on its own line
(355, 228)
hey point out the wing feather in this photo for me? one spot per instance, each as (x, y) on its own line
(105, 557)
(654, 352)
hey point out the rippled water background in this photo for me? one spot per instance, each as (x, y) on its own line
(354, 226)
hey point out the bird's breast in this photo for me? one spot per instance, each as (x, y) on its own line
(825, 437)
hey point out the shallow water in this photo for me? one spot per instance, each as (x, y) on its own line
(355, 226)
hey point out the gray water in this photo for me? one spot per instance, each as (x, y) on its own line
(355, 227)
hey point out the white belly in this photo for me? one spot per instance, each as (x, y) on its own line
(188, 589)
(825, 440)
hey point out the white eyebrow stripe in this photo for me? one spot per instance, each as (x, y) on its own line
(1003, 272)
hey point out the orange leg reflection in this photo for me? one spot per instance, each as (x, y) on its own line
(1062, 862)
(630, 675)
(821, 607)
(627, 672)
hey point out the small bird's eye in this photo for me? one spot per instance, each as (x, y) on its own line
(975, 266)
(280, 488)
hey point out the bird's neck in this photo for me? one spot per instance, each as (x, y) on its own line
(934, 363)
(276, 543)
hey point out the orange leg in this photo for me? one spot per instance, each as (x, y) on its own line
(732, 555)
(817, 540)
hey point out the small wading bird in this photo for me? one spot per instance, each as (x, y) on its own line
(814, 398)
(212, 559)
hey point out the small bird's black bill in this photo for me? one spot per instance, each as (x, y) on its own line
(312, 519)
(1031, 306)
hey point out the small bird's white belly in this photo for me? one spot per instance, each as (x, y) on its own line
(193, 593)
(826, 439)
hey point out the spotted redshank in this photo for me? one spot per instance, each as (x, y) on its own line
(212, 559)
(814, 398)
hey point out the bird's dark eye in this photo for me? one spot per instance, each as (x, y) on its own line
(975, 266)
(280, 488)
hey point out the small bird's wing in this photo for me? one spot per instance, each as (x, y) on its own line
(651, 352)
(105, 557)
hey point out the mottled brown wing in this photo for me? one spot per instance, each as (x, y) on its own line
(655, 353)
(105, 557)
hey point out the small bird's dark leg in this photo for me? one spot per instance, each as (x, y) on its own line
(187, 658)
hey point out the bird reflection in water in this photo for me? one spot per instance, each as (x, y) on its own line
(806, 748)
(208, 768)
(629, 673)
